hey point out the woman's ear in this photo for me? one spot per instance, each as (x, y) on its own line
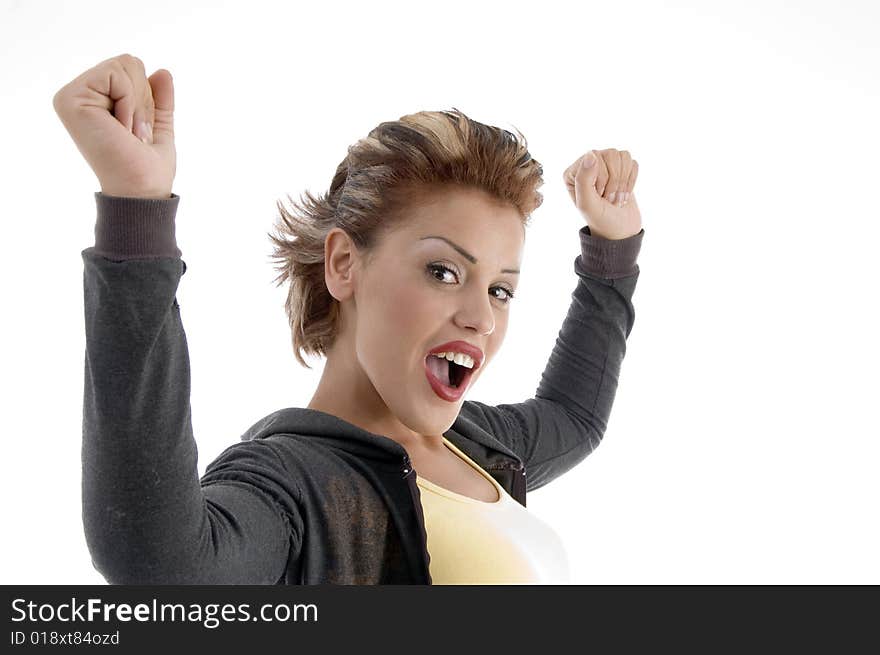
(339, 259)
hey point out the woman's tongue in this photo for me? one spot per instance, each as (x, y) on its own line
(440, 368)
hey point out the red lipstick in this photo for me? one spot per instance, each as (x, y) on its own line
(447, 392)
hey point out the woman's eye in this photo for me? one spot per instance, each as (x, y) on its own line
(435, 268)
(506, 299)
(438, 270)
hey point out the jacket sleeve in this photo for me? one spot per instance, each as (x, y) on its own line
(147, 517)
(566, 419)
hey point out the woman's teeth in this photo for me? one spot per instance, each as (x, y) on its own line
(462, 360)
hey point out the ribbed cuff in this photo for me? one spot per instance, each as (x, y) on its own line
(608, 258)
(136, 228)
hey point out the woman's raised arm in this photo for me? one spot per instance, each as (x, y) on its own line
(147, 517)
(567, 418)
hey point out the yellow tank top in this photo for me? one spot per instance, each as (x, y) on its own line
(477, 542)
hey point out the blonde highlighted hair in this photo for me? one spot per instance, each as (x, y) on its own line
(383, 176)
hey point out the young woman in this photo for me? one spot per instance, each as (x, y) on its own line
(402, 277)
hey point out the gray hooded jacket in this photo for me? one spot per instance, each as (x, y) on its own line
(304, 497)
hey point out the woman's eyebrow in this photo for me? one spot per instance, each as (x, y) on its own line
(464, 253)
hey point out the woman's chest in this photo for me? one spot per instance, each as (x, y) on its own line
(449, 471)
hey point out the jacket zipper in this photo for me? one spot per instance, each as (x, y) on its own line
(411, 484)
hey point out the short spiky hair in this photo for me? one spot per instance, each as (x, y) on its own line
(391, 170)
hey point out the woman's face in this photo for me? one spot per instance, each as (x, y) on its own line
(418, 292)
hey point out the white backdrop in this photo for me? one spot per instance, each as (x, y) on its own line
(743, 445)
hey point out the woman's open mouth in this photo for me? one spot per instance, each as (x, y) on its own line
(448, 379)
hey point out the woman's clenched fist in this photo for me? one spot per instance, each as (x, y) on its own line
(123, 124)
(600, 184)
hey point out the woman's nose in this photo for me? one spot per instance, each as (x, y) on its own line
(478, 314)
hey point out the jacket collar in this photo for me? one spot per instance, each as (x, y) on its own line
(315, 424)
